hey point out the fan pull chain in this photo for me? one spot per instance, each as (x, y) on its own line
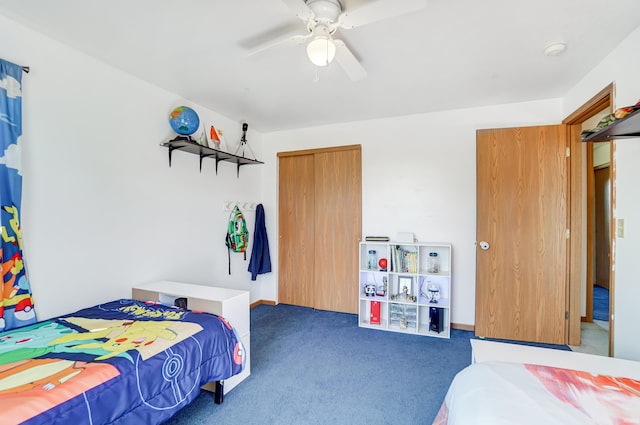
(315, 80)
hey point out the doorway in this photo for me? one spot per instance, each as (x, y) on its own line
(595, 330)
(590, 257)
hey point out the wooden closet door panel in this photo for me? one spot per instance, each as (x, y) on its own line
(296, 213)
(338, 224)
(521, 280)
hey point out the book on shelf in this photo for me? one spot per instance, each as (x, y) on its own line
(376, 238)
(410, 262)
(403, 260)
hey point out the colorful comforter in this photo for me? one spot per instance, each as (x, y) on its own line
(511, 393)
(121, 362)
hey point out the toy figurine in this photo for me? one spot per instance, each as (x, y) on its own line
(370, 290)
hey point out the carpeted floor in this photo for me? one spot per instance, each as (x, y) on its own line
(319, 367)
(600, 303)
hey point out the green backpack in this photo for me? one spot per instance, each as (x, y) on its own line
(237, 234)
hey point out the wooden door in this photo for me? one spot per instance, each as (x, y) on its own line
(296, 243)
(602, 225)
(319, 224)
(338, 225)
(521, 279)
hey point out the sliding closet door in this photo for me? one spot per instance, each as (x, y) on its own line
(296, 242)
(338, 225)
(319, 224)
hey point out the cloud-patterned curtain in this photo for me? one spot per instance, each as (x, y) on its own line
(16, 306)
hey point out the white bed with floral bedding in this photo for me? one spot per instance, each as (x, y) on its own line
(517, 384)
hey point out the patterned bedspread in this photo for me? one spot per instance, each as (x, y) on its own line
(121, 362)
(512, 393)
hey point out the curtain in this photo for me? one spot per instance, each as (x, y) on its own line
(16, 306)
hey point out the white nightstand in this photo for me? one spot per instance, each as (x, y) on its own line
(232, 304)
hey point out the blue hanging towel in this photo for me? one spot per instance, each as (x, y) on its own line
(260, 262)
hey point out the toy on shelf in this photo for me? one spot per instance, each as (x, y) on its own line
(383, 263)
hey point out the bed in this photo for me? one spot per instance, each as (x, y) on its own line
(120, 362)
(517, 384)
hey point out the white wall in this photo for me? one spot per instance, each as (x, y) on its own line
(418, 175)
(621, 67)
(102, 210)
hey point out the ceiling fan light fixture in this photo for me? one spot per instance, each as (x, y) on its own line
(321, 50)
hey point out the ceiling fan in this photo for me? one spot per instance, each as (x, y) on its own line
(324, 17)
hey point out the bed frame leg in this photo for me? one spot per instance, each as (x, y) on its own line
(218, 397)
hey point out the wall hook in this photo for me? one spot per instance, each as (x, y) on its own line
(243, 205)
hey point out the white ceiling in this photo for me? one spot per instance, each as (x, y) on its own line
(452, 54)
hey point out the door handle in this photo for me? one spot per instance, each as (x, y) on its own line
(484, 245)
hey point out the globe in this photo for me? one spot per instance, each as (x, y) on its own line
(184, 120)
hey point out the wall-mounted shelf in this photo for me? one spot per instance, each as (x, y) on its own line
(184, 143)
(626, 127)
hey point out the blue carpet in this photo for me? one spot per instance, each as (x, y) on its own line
(600, 303)
(319, 367)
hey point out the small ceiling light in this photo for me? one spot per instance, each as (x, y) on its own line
(555, 49)
(321, 50)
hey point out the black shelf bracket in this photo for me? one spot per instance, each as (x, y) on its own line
(173, 147)
(206, 155)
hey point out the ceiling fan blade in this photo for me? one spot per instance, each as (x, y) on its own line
(300, 8)
(348, 62)
(378, 10)
(285, 30)
(277, 43)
